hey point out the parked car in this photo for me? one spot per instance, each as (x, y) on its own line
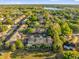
(69, 46)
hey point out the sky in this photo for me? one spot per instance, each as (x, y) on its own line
(39, 1)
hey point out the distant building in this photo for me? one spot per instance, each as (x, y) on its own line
(39, 39)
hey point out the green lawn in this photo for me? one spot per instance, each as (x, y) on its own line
(35, 56)
(26, 55)
(31, 55)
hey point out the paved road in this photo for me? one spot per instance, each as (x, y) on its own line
(12, 31)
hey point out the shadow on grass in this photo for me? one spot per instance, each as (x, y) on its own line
(23, 53)
(42, 55)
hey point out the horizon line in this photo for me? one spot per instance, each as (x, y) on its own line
(41, 4)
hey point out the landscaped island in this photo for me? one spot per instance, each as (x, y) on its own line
(39, 32)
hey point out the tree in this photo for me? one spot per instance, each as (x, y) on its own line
(28, 13)
(1, 45)
(9, 21)
(19, 44)
(4, 28)
(57, 43)
(57, 27)
(54, 27)
(46, 14)
(74, 27)
(7, 45)
(28, 22)
(36, 24)
(66, 30)
(0, 23)
(33, 18)
(54, 31)
(47, 23)
(49, 31)
(31, 30)
(57, 20)
(13, 47)
(71, 55)
(67, 16)
(63, 39)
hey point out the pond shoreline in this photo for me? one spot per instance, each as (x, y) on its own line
(50, 8)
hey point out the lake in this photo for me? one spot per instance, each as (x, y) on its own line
(49, 8)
